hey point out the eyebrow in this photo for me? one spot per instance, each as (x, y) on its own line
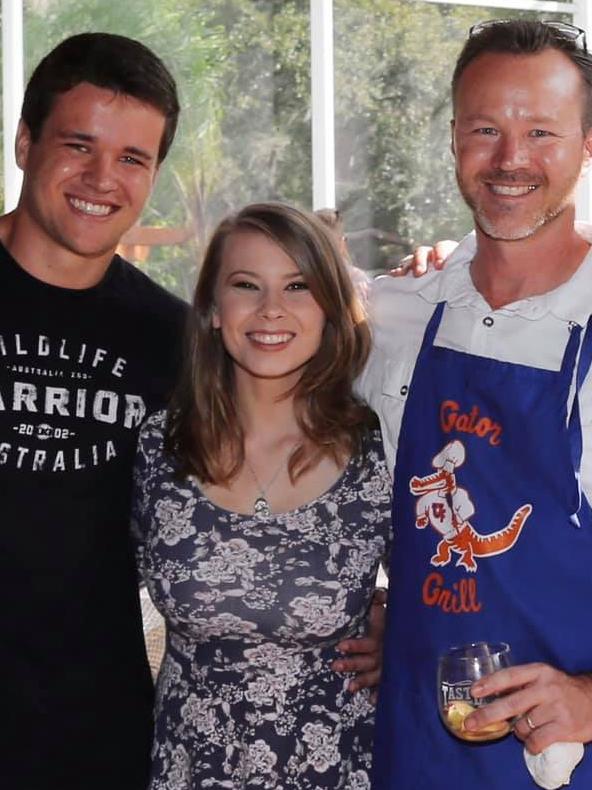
(539, 119)
(139, 152)
(290, 276)
(83, 137)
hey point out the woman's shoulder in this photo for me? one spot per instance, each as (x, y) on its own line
(372, 443)
(153, 428)
(370, 477)
(371, 459)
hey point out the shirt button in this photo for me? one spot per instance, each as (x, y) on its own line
(488, 320)
(404, 389)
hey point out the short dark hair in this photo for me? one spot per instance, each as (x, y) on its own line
(108, 61)
(527, 37)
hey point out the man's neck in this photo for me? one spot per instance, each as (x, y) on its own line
(507, 271)
(49, 262)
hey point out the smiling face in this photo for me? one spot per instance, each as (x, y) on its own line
(270, 323)
(87, 177)
(518, 140)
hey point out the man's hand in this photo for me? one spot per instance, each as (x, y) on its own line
(423, 258)
(364, 655)
(548, 705)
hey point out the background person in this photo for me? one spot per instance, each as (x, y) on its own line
(263, 509)
(332, 218)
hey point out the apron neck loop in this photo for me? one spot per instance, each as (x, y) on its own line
(585, 359)
(432, 327)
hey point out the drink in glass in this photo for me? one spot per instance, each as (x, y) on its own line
(458, 669)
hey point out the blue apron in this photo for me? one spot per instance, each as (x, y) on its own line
(493, 542)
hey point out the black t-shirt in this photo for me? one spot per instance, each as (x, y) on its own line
(79, 371)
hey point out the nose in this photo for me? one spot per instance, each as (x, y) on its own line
(99, 174)
(512, 152)
(271, 304)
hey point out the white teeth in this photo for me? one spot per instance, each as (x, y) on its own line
(96, 209)
(268, 339)
(501, 189)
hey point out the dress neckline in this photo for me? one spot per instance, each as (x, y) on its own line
(345, 474)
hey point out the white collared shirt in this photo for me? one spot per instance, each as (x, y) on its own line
(532, 331)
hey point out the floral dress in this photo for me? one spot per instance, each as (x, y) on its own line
(254, 607)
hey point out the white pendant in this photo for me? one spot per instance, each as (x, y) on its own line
(261, 507)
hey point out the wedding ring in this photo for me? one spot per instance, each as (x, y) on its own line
(528, 720)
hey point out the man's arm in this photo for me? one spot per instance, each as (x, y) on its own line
(364, 655)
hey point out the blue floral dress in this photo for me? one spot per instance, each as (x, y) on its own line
(254, 607)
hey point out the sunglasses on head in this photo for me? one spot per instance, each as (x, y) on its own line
(567, 31)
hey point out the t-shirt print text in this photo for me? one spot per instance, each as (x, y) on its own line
(63, 404)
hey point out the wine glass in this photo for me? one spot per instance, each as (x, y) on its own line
(458, 669)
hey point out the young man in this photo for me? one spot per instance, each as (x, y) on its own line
(480, 377)
(88, 346)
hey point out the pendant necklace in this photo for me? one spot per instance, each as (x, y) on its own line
(261, 506)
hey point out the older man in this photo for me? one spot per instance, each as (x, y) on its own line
(480, 378)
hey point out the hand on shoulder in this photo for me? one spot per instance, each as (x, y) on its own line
(424, 258)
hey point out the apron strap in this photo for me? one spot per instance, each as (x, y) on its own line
(432, 327)
(574, 426)
(585, 360)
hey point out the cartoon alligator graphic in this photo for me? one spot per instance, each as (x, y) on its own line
(447, 508)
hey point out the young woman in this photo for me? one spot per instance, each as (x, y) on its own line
(262, 507)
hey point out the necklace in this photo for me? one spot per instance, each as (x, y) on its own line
(261, 506)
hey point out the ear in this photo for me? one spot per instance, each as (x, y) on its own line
(216, 324)
(587, 158)
(452, 138)
(22, 144)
